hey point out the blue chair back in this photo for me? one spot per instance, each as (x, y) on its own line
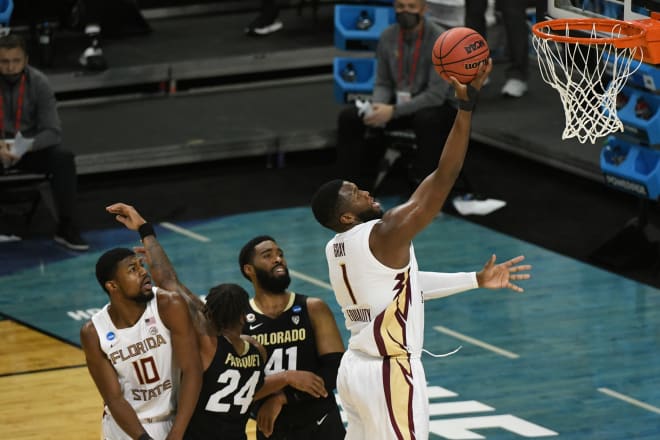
(6, 8)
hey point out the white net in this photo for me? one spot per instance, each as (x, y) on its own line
(588, 77)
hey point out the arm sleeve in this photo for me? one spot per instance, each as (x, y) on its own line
(329, 365)
(439, 285)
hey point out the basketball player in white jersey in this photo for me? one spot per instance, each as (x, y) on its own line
(142, 353)
(374, 274)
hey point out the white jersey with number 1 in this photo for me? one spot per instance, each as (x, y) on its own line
(383, 307)
(381, 380)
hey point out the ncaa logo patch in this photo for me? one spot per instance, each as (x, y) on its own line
(250, 317)
(296, 309)
(110, 336)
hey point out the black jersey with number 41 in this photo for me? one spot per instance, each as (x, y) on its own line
(290, 343)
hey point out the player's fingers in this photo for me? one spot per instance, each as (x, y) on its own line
(521, 268)
(516, 260)
(515, 288)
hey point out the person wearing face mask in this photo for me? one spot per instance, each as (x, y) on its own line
(408, 94)
(31, 134)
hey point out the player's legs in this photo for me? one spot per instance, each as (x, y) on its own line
(384, 399)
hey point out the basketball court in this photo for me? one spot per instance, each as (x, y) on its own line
(577, 356)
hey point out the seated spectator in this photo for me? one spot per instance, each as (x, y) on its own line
(408, 94)
(28, 116)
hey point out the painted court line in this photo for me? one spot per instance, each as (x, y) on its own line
(311, 280)
(188, 233)
(477, 342)
(629, 400)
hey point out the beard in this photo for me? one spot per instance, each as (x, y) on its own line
(272, 283)
(370, 214)
(144, 297)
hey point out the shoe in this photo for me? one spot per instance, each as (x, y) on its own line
(470, 204)
(4, 238)
(68, 235)
(92, 58)
(262, 26)
(514, 88)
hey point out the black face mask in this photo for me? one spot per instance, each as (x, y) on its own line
(13, 78)
(407, 20)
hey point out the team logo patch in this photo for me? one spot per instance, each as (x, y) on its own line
(153, 331)
(295, 319)
(110, 336)
(250, 317)
(296, 309)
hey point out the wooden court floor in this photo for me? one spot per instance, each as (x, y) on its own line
(577, 356)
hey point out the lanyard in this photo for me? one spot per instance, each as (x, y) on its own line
(415, 60)
(19, 109)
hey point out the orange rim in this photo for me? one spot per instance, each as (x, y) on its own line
(631, 35)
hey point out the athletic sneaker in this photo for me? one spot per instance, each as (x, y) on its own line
(262, 26)
(68, 235)
(92, 58)
(514, 88)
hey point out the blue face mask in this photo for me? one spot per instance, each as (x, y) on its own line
(408, 20)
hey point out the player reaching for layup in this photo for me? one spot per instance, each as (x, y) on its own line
(374, 274)
(233, 363)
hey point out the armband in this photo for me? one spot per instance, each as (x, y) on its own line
(145, 230)
(468, 105)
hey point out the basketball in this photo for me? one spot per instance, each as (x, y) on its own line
(459, 52)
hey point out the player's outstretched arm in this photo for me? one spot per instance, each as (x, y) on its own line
(402, 223)
(105, 378)
(160, 266)
(173, 310)
(436, 285)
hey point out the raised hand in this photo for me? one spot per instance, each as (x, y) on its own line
(499, 276)
(462, 89)
(126, 215)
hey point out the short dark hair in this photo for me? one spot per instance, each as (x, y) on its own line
(247, 251)
(106, 266)
(326, 201)
(13, 41)
(225, 304)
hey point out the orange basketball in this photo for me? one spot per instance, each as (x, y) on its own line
(459, 52)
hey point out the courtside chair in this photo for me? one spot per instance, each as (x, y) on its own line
(6, 9)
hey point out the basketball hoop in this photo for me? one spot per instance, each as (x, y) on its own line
(575, 57)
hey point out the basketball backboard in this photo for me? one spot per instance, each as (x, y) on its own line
(618, 9)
